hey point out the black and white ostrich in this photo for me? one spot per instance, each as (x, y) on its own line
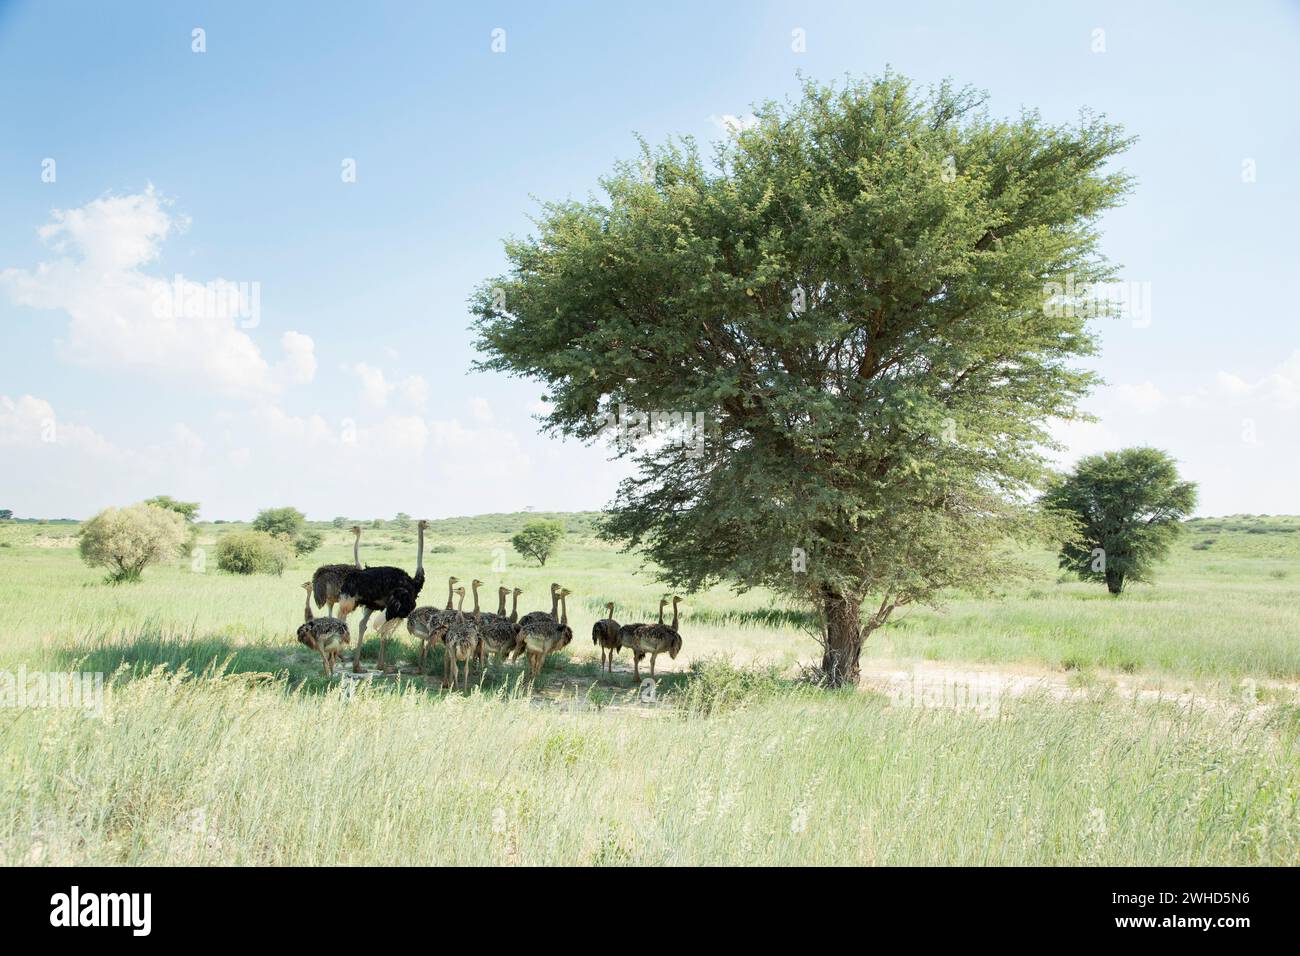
(389, 590)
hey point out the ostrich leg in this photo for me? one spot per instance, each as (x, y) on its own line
(361, 639)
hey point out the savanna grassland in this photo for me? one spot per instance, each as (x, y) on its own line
(1158, 728)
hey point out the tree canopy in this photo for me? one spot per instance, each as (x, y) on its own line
(189, 510)
(850, 295)
(1128, 507)
(538, 539)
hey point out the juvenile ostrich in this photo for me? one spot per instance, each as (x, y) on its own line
(327, 580)
(389, 590)
(656, 639)
(497, 631)
(627, 632)
(462, 639)
(604, 634)
(325, 635)
(541, 638)
(429, 624)
(537, 621)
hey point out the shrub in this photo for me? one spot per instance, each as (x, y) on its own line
(307, 542)
(253, 552)
(128, 540)
(290, 525)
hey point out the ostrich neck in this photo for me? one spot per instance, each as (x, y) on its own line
(460, 607)
(475, 588)
(308, 611)
(449, 594)
(514, 609)
(564, 611)
(674, 625)
(356, 551)
(501, 604)
(661, 612)
(419, 554)
(555, 603)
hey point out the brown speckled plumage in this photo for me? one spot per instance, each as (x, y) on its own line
(429, 624)
(462, 640)
(656, 639)
(325, 635)
(605, 635)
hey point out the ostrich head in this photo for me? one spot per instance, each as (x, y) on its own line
(356, 529)
(518, 591)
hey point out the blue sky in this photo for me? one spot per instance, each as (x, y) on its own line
(351, 394)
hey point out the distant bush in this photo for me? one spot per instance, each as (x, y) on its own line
(288, 524)
(253, 552)
(127, 540)
(307, 542)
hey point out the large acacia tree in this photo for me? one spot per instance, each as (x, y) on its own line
(852, 292)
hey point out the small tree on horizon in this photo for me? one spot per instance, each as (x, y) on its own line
(873, 297)
(538, 539)
(127, 540)
(1128, 507)
(289, 524)
(6, 514)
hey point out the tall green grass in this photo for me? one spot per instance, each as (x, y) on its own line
(227, 769)
(222, 743)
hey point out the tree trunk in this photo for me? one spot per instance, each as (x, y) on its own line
(843, 639)
(1114, 582)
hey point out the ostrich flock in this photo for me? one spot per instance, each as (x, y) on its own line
(465, 637)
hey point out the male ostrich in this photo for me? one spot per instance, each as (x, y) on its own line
(655, 639)
(462, 638)
(604, 634)
(386, 589)
(327, 580)
(429, 624)
(325, 635)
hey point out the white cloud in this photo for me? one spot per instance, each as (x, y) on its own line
(375, 387)
(1080, 438)
(480, 410)
(30, 422)
(1279, 389)
(415, 390)
(734, 124)
(123, 317)
(1144, 398)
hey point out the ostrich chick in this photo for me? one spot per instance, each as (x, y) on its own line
(325, 635)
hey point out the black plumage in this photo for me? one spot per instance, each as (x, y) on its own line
(387, 589)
